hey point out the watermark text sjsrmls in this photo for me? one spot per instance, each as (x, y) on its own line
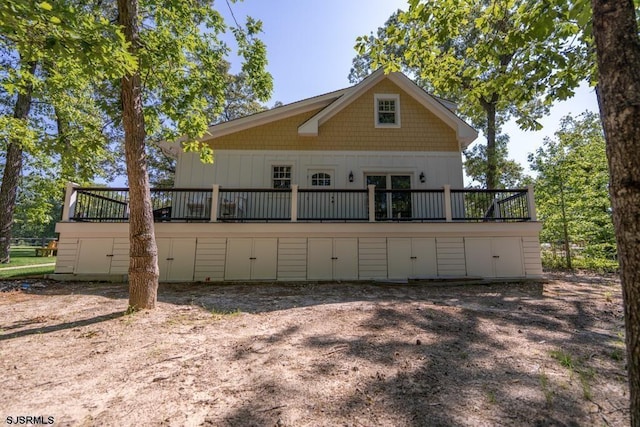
(37, 420)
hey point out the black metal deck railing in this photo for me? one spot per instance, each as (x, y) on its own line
(253, 204)
(333, 205)
(98, 204)
(409, 205)
(489, 205)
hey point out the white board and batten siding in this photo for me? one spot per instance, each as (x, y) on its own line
(253, 169)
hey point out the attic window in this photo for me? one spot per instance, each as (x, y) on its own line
(387, 110)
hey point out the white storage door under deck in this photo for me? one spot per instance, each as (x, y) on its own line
(251, 259)
(411, 258)
(332, 259)
(94, 256)
(494, 257)
(176, 259)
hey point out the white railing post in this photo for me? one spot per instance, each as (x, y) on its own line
(531, 202)
(372, 202)
(214, 203)
(447, 203)
(294, 202)
(70, 198)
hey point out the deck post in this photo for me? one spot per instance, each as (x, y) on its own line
(70, 198)
(372, 202)
(294, 202)
(447, 203)
(531, 202)
(214, 203)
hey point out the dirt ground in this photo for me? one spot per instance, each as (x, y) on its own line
(328, 354)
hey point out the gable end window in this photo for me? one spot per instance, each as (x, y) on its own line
(387, 110)
(281, 176)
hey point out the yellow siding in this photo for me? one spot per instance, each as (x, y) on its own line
(352, 129)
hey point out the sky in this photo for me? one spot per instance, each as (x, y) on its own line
(310, 45)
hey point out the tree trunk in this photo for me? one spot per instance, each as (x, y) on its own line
(143, 262)
(492, 161)
(13, 170)
(615, 31)
(565, 228)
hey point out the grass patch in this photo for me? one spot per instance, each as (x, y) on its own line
(580, 262)
(576, 367)
(546, 389)
(26, 255)
(219, 314)
(26, 272)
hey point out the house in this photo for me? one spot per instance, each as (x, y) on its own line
(365, 183)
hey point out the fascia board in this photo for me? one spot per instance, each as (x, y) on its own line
(310, 127)
(269, 116)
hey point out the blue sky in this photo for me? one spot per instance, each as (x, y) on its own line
(310, 48)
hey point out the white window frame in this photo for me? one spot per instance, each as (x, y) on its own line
(324, 182)
(386, 97)
(281, 178)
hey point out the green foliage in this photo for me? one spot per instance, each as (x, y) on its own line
(496, 59)
(183, 68)
(239, 100)
(600, 265)
(74, 130)
(572, 191)
(62, 50)
(509, 172)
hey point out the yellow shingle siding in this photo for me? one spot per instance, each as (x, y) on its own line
(352, 129)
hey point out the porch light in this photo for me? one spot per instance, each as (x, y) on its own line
(351, 176)
(422, 177)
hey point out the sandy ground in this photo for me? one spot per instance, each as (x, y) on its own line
(328, 354)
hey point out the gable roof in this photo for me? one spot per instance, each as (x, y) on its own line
(332, 103)
(465, 133)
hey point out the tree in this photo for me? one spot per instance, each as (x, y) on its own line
(143, 253)
(496, 59)
(177, 86)
(615, 30)
(240, 100)
(51, 51)
(572, 187)
(509, 174)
